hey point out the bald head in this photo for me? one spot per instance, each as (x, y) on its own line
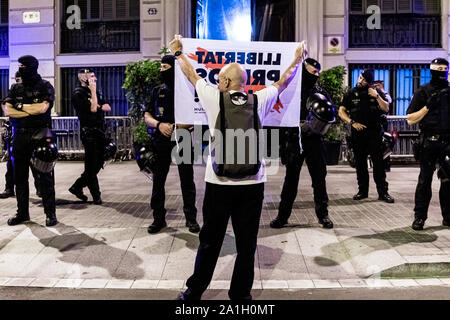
(234, 75)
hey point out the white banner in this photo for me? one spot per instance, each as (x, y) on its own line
(265, 63)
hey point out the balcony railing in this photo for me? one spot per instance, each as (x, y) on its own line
(4, 43)
(104, 36)
(397, 31)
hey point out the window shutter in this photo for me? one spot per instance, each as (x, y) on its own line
(121, 9)
(83, 7)
(404, 6)
(134, 9)
(356, 7)
(427, 6)
(108, 10)
(388, 6)
(372, 3)
(95, 9)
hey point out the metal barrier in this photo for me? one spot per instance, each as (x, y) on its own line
(67, 130)
(406, 134)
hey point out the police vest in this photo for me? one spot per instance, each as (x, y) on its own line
(163, 107)
(364, 108)
(437, 119)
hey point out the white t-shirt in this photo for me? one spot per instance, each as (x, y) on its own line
(209, 97)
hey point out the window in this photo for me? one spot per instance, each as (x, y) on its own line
(110, 80)
(244, 20)
(400, 81)
(106, 26)
(404, 24)
(4, 83)
(4, 17)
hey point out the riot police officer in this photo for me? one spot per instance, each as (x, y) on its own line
(431, 109)
(7, 145)
(28, 106)
(313, 153)
(90, 108)
(362, 108)
(159, 114)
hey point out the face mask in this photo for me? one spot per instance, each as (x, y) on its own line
(439, 78)
(308, 79)
(27, 73)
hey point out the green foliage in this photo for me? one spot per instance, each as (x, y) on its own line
(140, 78)
(164, 51)
(332, 80)
(140, 133)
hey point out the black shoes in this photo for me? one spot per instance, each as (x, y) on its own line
(326, 223)
(78, 193)
(360, 196)
(386, 198)
(51, 220)
(446, 223)
(278, 223)
(7, 194)
(418, 224)
(39, 194)
(98, 201)
(156, 227)
(193, 226)
(18, 219)
(188, 296)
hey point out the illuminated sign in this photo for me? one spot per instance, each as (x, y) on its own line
(32, 17)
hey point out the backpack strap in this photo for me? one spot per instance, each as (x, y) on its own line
(255, 123)
(222, 131)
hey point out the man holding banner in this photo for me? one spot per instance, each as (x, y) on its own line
(229, 193)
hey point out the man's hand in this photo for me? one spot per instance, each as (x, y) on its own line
(176, 45)
(373, 93)
(301, 52)
(92, 85)
(358, 126)
(166, 129)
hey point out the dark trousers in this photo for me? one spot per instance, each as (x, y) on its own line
(243, 204)
(314, 154)
(365, 143)
(93, 162)
(9, 176)
(164, 149)
(22, 151)
(428, 160)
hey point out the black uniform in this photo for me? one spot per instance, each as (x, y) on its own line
(313, 153)
(435, 135)
(29, 92)
(364, 109)
(161, 107)
(92, 126)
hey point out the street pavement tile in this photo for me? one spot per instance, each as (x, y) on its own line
(94, 283)
(119, 284)
(3, 281)
(257, 285)
(445, 280)
(170, 284)
(378, 283)
(404, 282)
(352, 283)
(68, 283)
(219, 285)
(300, 284)
(44, 283)
(274, 284)
(19, 282)
(428, 259)
(145, 284)
(325, 284)
(429, 282)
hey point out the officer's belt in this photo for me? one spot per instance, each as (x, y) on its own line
(437, 137)
(26, 130)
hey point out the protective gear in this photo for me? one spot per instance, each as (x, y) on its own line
(45, 155)
(321, 114)
(6, 135)
(146, 159)
(439, 78)
(110, 151)
(388, 144)
(308, 79)
(313, 63)
(29, 70)
(168, 76)
(368, 75)
(444, 165)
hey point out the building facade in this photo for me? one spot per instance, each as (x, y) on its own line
(398, 38)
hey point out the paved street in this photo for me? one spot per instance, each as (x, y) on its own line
(102, 249)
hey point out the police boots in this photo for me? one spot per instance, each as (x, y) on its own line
(18, 219)
(51, 220)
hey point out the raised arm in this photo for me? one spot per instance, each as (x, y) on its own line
(186, 67)
(289, 74)
(416, 117)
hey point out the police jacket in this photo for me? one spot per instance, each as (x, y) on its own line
(364, 108)
(161, 105)
(81, 101)
(38, 92)
(437, 120)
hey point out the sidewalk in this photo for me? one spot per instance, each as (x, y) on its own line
(372, 244)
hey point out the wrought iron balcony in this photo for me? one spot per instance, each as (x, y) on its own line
(4, 43)
(104, 36)
(397, 31)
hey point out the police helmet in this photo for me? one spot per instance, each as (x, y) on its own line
(110, 151)
(321, 113)
(388, 144)
(44, 155)
(444, 165)
(146, 159)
